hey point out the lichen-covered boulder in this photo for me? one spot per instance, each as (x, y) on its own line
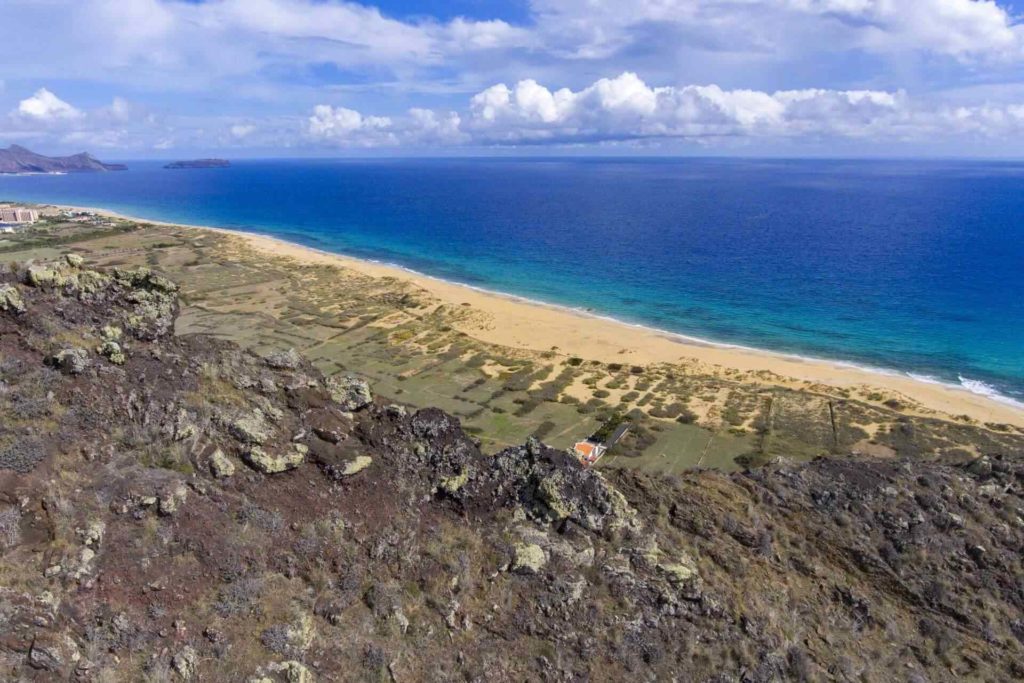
(113, 352)
(220, 465)
(111, 333)
(89, 282)
(292, 671)
(181, 427)
(529, 558)
(570, 491)
(52, 652)
(186, 663)
(152, 316)
(330, 426)
(45, 276)
(550, 485)
(350, 392)
(10, 299)
(73, 361)
(252, 428)
(356, 465)
(453, 484)
(162, 284)
(284, 360)
(679, 571)
(92, 533)
(172, 498)
(267, 463)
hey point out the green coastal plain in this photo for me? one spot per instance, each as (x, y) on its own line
(416, 350)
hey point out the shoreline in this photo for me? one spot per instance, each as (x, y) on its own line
(520, 322)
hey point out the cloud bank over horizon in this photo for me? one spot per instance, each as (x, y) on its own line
(320, 77)
(625, 108)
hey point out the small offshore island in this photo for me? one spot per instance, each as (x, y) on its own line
(199, 163)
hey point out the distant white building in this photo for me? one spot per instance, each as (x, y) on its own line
(15, 214)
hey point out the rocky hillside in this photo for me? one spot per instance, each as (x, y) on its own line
(17, 159)
(174, 508)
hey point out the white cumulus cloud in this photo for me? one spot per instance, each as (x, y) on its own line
(429, 126)
(45, 106)
(242, 130)
(961, 28)
(46, 117)
(711, 70)
(345, 126)
(625, 107)
(596, 29)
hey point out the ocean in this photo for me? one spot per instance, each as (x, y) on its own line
(912, 267)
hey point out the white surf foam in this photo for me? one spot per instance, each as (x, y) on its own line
(983, 389)
(929, 379)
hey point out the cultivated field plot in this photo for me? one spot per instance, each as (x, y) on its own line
(684, 447)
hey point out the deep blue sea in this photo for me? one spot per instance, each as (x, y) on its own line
(911, 266)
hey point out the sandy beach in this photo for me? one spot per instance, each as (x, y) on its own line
(520, 323)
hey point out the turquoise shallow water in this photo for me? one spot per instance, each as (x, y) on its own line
(914, 267)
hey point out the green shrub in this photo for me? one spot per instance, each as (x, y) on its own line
(687, 417)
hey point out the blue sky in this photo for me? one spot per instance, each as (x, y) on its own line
(168, 78)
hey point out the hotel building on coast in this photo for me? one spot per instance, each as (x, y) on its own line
(14, 214)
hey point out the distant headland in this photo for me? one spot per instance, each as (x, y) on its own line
(17, 159)
(199, 163)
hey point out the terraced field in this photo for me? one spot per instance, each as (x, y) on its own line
(418, 351)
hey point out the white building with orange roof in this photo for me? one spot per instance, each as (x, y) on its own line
(589, 451)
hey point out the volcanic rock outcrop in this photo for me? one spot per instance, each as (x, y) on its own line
(175, 508)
